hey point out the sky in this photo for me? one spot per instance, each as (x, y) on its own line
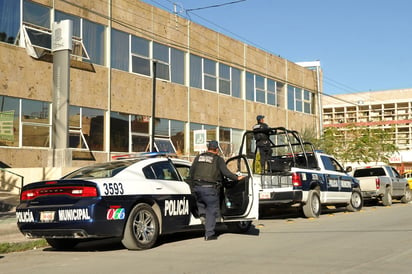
(362, 45)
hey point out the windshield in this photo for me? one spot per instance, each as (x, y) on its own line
(105, 170)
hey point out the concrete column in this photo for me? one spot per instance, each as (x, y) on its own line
(61, 47)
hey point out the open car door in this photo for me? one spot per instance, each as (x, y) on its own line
(240, 200)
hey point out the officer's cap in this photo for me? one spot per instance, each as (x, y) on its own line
(213, 144)
(259, 117)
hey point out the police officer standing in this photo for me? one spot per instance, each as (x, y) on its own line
(206, 176)
(262, 141)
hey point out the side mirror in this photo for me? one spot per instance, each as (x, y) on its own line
(349, 169)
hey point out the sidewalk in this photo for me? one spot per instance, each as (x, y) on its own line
(9, 233)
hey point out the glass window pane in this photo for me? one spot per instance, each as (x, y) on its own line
(162, 127)
(9, 121)
(224, 86)
(120, 50)
(36, 14)
(177, 134)
(236, 84)
(140, 46)
(271, 85)
(195, 71)
(162, 71)
(59, 16)
(210, 83)
(224, 71)
(140, 143)
(209, 67)
(160, 52)
(140, 65)
(260, 96)
(119, 132)
(260, 82)
(140, 124)
(291, 98)
(271, 100)
(9, 20)
(93, 40)
(36, 136)
(93, 127)
(177, 63)
(250, 87)
(35, 111)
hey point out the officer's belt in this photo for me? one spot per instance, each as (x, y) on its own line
(205, 183)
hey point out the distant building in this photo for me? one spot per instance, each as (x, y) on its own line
(388, 109)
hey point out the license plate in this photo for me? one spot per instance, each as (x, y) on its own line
(264, 195)
(47, 216)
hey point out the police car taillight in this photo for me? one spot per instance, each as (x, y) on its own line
(74, 191)
(378, 183)
(296, 180)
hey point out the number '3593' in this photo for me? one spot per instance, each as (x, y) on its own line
(113, 188)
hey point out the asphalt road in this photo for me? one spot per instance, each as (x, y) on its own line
(376, 240)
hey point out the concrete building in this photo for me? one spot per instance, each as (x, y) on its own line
(390, 110)
(204, 81)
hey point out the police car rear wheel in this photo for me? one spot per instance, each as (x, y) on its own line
(62, 244)
(142, 228)
(239, 227)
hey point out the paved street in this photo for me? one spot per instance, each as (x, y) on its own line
(375, 240)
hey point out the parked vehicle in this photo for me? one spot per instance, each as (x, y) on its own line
(408, 176)
(299, 175)
(382, 183)
(135, 200)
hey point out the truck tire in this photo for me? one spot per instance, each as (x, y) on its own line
(408, 195)
(387, 197)
(312, 208)
(356, 201)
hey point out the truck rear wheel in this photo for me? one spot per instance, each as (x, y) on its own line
(387, 197)
(312, 207)
(356, 201)
(408, 195)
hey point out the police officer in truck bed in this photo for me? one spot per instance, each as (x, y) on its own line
(262, 142)
(206, 176)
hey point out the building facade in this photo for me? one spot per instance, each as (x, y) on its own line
(204, 81)
(390, 110)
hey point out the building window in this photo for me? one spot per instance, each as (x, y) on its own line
(195, 71)
(172, 130)
(271, 92)
(140, 56)
(224, 79)
(236, 82)
(139, 125)
(250, 86)
(93, 40)
(36, 14)
(9, 20)
(177, 66)
(9, 121)
(35, 123)
(260, 89)
(86, 128)
(161, 55)
(307, 102)
(209, 74)
(210, 133)
(120, 50)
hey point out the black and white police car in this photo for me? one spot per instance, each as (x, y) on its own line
(135, 200)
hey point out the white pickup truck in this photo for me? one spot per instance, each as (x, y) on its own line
(384, 183)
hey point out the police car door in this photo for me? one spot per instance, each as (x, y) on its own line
(240, 199)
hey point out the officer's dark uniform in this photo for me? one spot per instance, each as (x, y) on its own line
(262, 142)
(206, 176)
